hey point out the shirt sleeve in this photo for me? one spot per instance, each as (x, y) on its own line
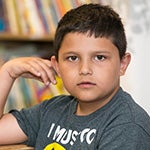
(29, 121)
(125, 136)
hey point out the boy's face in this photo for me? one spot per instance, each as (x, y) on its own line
(90, 67)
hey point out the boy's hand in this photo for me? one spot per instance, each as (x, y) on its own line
(31, 67)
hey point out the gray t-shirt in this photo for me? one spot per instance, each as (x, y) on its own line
(119, 125)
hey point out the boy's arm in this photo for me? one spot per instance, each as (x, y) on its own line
(8, 124)
(29, 67)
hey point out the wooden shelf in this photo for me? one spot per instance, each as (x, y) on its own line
(13, 37)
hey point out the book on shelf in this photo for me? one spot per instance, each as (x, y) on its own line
(13, 24)
(28, 92)
(35, 24)
(3, 20)
(45, 8)
(42, 14)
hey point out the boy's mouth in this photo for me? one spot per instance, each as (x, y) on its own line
(86, 84)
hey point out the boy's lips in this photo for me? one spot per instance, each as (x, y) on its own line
(86, 84)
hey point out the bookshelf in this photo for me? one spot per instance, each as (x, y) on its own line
(31, 19)
(9, 37)
(27, 28)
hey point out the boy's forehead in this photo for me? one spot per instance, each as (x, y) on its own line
(84, 34)
(82, 41)
(80, 37)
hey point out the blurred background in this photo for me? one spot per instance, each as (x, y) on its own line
(27, 28)
(136, 17)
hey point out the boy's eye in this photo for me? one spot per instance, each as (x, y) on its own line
(72, 58)
(100, 57)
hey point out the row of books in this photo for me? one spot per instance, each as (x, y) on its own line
(27, 92)
(34, 17)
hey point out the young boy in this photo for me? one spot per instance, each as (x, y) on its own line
(90, 56)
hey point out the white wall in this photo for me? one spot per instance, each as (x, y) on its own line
(136, 17)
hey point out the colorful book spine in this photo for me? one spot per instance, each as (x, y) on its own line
(67, 5)
(34, 21)
(3, 21)
(20, 7)
(46, 11)
(11, 16)
(42, 15)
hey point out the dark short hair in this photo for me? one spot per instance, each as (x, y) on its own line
(95, 19)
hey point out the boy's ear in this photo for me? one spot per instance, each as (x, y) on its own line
(125, 61)
(55, 65)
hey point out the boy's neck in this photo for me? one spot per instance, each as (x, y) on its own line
(87, 108)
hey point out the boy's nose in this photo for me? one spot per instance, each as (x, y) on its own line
(85, 68)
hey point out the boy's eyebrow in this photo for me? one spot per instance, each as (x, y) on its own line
(102, 51)
(69, 52)
(96, 52)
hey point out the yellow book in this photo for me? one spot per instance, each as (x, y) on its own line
(22, 18)
(67, 4)
(11, 16)
(17, 15)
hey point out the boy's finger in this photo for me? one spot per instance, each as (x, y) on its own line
(46, 72)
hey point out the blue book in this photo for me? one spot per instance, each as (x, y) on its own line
(3, 23)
